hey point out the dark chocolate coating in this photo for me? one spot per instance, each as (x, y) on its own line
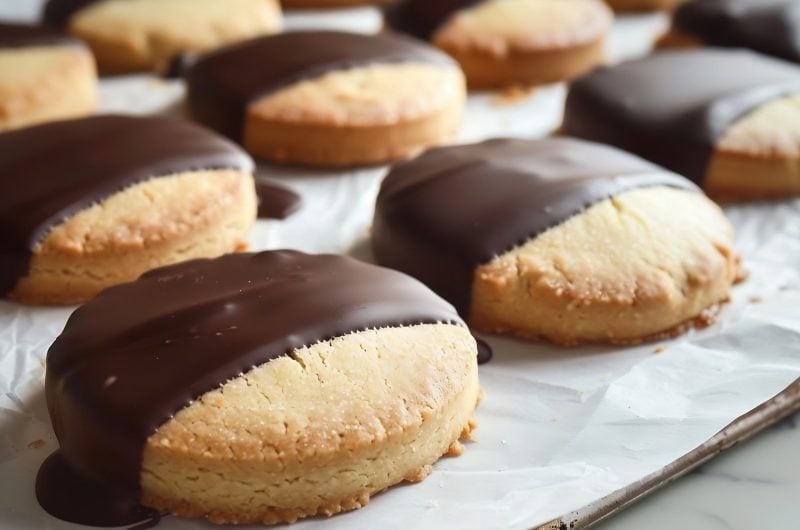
(50, 172)
(58, 12)
(184, 330)
(673, 107)
(768, 26)
(222, 84)
(21, 36)
(422, 18)
(453, 209)
(276, 201)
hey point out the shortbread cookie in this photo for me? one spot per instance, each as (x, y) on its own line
(726, 119)
(770, 27)
(254, 388)
(502, 43)
(317, 4)
(133, 35)
(644, 5)
(558, 238)
(329, 98)
(46, 75)
(94, 202)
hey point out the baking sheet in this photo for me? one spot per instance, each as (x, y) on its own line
(559, 429)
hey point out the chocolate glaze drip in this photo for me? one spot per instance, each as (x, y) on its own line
(672, 107)
(485, 352)
(422, 18)
(52, 171)
(768, 26)
(138, 353)
(58, 12)
(20, 35)
(222, 84)
(454, 208)
(276, 201)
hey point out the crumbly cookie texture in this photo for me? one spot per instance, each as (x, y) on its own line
(644, 5)
(358, 116)
(500, 43)
(131, 35)
(631, 268)
(759, 155)
(319, 431)
(158, 222)
(45, 83)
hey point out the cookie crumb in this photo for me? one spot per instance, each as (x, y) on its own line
(36, 444)
(511, 95)
(756, 299)
(455, 449)
(660, 348)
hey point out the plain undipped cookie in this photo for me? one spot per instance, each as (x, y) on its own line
(95, 202)
(727, 119)
(503, 43)
(558, 238)
(133, 35)
(268, 387)
(46, 75)
(329, 98)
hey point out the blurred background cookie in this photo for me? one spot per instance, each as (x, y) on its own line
(643, 5)
(46, 75)
(772, 27)
(94, 202)
(727, 119)
(557, 238)
(323, 4)
(502, 43)
(268, 387)
(329, 98)
(133, 35)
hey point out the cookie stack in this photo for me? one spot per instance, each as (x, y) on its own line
(264, 387)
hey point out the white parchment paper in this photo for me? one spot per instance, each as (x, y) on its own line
(559, 428)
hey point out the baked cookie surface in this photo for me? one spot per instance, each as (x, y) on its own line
(267, 387)
(97, 201)
(770, 27)
(502, 43)
(557, 238)
(680, 109)
(644, 5)
(134, 35)
(329, 98)
(46, 75)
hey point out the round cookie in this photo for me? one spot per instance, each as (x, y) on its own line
(643, 5)
(134, 35)
(254, 388)
(727, 119)
(558, 238)
(329, 98)
(771, 27)
(324, 4)
(46, 75)
(503, 43)
(95, 202)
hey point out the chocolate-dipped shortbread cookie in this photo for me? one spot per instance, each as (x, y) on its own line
(771, 27)
(557, 238)
(329, 98)
(644, 5)
(44, 75)
(727, 119)
(254, 388)
(94, 202)
(502, 43)
(133, 35)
